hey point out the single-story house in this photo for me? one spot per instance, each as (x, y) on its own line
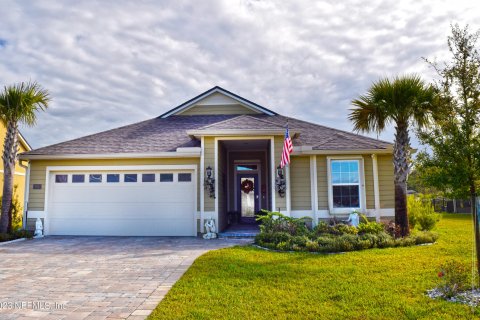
(212, 157)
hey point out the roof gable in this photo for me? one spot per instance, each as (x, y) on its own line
(218, 101)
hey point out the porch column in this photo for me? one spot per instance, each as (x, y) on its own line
(288, 197)
(273, 171)
(314, 188)
(202, 187)
(376, 190)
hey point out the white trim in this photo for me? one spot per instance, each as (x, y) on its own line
(302, 213)
(314, 188)
(361, 183)
(201, 184)
(376, 189)
(50, 169)
(273, 172)
(288, 200)
(173, 154)
(208, 93)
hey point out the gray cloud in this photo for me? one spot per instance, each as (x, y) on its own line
(112, 63)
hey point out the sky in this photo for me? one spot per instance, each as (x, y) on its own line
(111, 63)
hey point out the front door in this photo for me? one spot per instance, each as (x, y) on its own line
(247, 195)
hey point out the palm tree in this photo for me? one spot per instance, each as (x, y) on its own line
(405, 101)
(18, 105)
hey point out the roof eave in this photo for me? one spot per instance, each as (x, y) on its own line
(172, 154)
(346, 152)
(243, 132)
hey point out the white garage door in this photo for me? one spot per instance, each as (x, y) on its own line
(122, 203)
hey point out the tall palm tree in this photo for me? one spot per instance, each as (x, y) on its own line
(18, 105)
(405, 101)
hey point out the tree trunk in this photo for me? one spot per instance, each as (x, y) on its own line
(476, 223)
(401, 152)
(9, 157)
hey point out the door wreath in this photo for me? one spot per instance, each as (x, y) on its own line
(247, 186)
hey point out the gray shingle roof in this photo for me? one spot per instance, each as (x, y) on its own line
(168, 134)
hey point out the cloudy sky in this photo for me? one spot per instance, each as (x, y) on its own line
(112, 63)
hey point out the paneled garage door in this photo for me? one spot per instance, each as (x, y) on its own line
(122, 203)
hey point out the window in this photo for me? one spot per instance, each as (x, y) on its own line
(166, 177)
(95, 178)
(148, 177)
(130, 177)
(113, 178)
(246, 167)
(345, 179)
(78, 178)
(61, 178)
(184, 177)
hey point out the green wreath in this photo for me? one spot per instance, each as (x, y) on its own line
(247, 186)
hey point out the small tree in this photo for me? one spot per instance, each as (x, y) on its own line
(404, 101)
(18, 105)
(453, 164)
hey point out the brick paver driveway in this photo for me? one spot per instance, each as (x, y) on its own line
(93, 277)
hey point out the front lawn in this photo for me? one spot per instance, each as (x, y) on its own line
(250, 283)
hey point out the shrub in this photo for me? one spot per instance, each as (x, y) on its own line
(453, 277)
(370, 227)
(421, 213)
(272, 237)
(16, 210)
(425, 237)
(337, 229)
(277, 222)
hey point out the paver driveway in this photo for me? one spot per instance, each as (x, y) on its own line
(93, 277)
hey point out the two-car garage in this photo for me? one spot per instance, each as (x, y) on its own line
(128, 202)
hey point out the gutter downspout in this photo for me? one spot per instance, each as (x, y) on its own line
(27, 191)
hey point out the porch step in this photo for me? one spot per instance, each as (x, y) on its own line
(237, 235)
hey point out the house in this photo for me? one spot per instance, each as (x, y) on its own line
(214, 156)
(20, 169)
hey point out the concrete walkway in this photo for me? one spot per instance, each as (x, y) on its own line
(94, 277)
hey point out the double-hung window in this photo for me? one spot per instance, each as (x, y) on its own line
(345, 184)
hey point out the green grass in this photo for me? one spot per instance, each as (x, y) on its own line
(250, 283)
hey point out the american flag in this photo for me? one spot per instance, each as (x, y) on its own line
(287, 149)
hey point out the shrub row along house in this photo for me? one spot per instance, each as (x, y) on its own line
(212, 156)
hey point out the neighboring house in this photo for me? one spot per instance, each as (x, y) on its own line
(148, 178)
(20, 171)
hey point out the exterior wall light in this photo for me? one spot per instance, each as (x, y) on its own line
(209, 183)
(280, 182)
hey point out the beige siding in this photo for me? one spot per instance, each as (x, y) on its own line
(369, 191)
(322, 182)
(38, 171)
(386, 181)
(209, 158)
(300, 183)
(218, 109)
(280, 203)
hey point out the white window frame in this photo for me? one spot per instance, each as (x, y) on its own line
(361, 173)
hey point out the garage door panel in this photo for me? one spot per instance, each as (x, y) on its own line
(122, 209)
(114, 211)
(121, 193)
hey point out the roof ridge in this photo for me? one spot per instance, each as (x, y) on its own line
(263, 120)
